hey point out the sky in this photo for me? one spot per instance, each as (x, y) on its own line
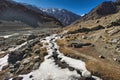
(79, 7)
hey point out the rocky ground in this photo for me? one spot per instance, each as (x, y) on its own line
(34, 56)
(96, 42)
(39, 58)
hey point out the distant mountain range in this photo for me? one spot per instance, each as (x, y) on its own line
(19, 15)
(63, 15)
(16, 12)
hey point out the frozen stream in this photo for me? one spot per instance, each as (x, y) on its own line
(56, 66)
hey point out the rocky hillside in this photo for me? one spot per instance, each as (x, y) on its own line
(101, 10)
(85, 50)
(96, 41)
(64, 16)
(15, 12)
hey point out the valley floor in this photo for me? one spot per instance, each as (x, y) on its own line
(44, 58)
(55, 66)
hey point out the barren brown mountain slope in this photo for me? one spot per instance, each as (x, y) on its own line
(97, 42)
(15, 15)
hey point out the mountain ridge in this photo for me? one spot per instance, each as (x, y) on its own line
(103, 9)
(63, 15)
(11, 11)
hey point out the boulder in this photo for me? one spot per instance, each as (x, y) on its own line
(33, 42)
(20, 42)
(15, 56)
(102, 57)
(30, 76)
(114, 31)
(17, 78)
(31, 36)
(78, 44)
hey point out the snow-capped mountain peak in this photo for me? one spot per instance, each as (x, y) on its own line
(63, 15)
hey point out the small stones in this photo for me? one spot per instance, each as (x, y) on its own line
(37, 51)
(114, 31)
(11, 66)
(71, 68)
(116, 59)
(86, 74)
(17, 78)
(31, 36)
(31, 43)
(114, 41)
(83, 37)
(5, 67)
(97, 21)
(12, 70)
(25, 55)
(20, 42)
(36, 65)
(77, 44)
(26, 61)
(18, 62)
(7, 76)
(31, 64)
(37, 58)
(20, 68)
(102, 57)
(30, 76)
(117, 48)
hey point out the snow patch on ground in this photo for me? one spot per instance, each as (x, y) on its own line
(8, 36)
(18, 47)
(77, 64)
(48, 70)
(3, 61)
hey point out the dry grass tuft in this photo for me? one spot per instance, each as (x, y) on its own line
(61, 42)
(43, 52)
(104, 70)
(36, 47)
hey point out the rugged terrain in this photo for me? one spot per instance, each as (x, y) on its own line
(96, 41)
(63, 15)
(88, 49)
(13, 14)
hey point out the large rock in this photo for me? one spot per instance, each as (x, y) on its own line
(33, 42)
(17, 78)
(31, 36)
(20, 42)
(15, 56)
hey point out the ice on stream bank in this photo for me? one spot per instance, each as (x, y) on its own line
(8, 36)
(49, 70)
(3, 61)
